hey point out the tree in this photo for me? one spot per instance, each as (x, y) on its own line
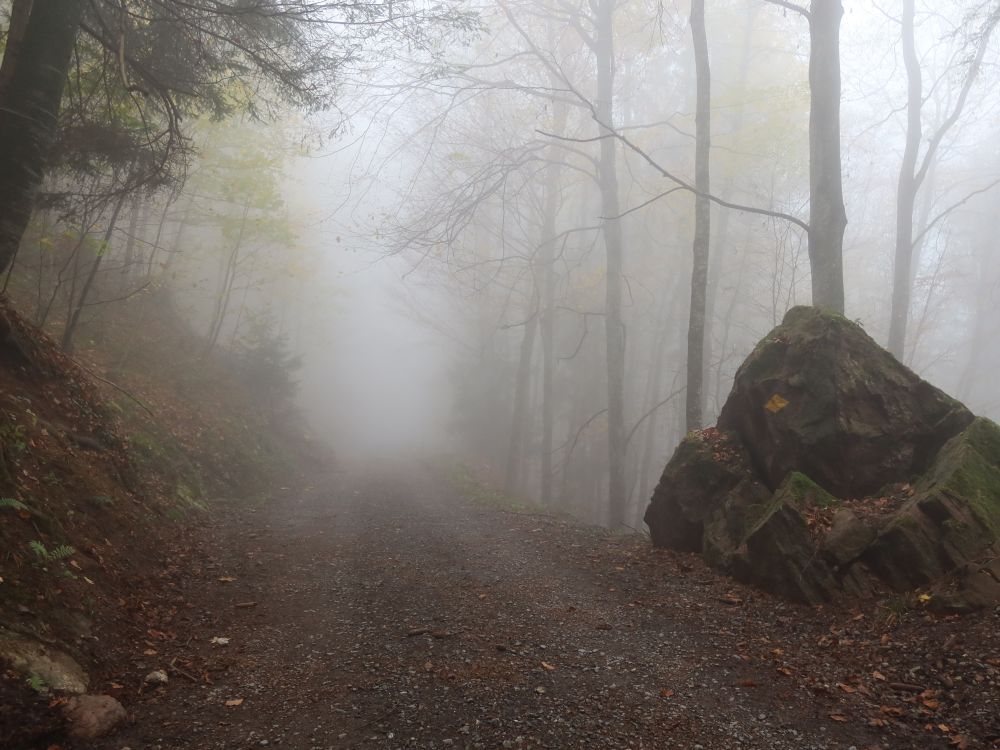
(177, 58)
(827, 216)
(914, 169)
(702, 222)
(34, 76)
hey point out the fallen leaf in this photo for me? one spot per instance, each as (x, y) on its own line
(847, 688)
(226, 579)
(234, 702)
(666, 693)
(878, 676)
(838, 717)
(548, 667)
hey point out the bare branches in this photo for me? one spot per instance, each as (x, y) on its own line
(684, 185)
(791, 6)
(957, 204)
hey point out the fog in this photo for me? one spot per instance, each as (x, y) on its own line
(441, 249)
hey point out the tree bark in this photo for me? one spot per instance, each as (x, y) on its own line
(827, 217)
(519, 417)
(20, 12)
(547, 260)
(614, 325)
(906, 193)
(29, 112)
(74, 319)
(702, 222)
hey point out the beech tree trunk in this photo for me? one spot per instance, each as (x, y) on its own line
(611, 229)
(702, 222)
(33, 84)
(827, 217)
(906, 193)
(519, 417)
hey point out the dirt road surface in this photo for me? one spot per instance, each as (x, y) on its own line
(379, 609)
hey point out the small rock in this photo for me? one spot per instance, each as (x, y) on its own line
(93, 716)
(156, 677)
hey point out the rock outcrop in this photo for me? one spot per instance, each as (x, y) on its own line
(834, 470)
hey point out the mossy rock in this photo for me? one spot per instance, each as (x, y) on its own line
(819, 396)
(778, 552)
(704, 470)
(820, 413)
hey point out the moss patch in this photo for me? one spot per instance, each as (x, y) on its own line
(968, 469)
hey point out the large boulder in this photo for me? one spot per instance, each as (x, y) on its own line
(835, 470)
(819, 396)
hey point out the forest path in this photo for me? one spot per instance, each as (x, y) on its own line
(381, 610)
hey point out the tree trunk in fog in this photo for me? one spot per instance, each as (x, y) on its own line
(906, 193)
(912, 176)
(74, 319)
(20, 13)
(34, 79)
(611, 228)
(702, 221)
(547, 259)
(226, 286)
(827, 217)
(519, 417)
(652, 397)
(130, 243)
(720, 238)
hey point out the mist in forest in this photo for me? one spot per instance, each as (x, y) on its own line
(541, 242)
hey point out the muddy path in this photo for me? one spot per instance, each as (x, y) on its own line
(382, 610)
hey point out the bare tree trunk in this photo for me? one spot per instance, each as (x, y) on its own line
(911, 176)
(827, 217)
(74, 319)
(652, 397)
(226, 286)
(720, 238)
(612, 232)
(124, 281)
(548, 323)
(519, 418)
(20, 13)
(702, 223)
(906, 193)
(29, 110)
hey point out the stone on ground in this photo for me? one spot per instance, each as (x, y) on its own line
(834, 470)
(93, 716)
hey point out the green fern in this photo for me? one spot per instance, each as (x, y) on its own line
(9, 502)
(46, 555)
(62, 552)
(37, 684)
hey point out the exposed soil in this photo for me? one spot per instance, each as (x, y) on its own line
(379, 609)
